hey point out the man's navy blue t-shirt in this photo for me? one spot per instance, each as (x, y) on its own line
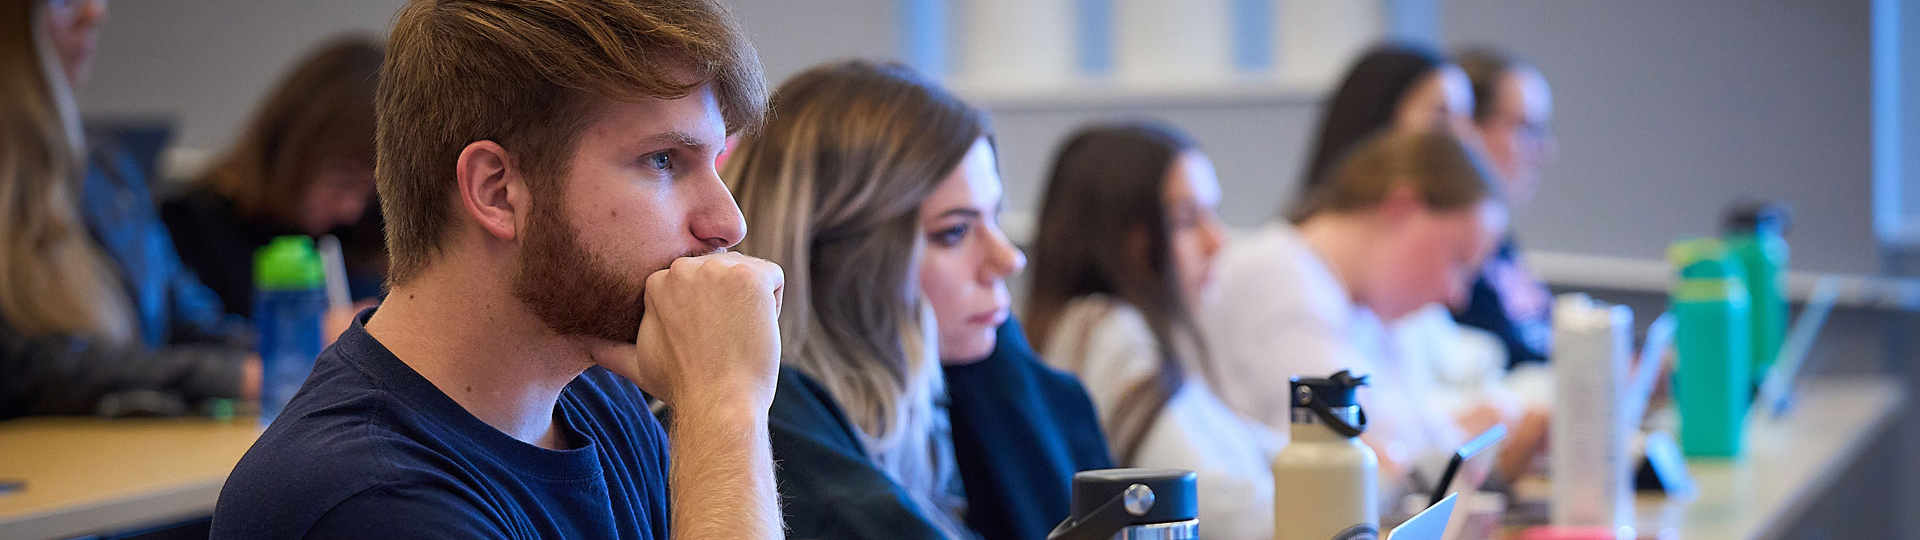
(370, 449)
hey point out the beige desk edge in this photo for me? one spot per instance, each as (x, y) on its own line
(1789, 465)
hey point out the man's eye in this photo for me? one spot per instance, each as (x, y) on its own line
(661, 161)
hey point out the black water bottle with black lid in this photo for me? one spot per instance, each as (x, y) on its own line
(1132, 504)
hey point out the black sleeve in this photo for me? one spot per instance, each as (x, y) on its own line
(1021, 431)
(197, 313)
(48, 375)
(208, 249)
(829, 488)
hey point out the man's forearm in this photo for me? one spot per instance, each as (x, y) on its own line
(722, 474)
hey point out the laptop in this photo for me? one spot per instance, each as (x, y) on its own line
(1429, 524)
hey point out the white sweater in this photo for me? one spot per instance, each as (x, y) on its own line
(1109, 345)
(1282, 312)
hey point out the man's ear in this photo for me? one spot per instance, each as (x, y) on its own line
(492, 190)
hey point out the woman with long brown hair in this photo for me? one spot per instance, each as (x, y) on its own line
(1393, 86)
(1122, 261)
(879, 193)
(84, 328)
(303, 165)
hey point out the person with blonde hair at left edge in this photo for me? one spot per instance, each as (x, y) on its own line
(97, 314)
(880, 193)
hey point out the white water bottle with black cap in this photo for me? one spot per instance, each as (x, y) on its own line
(1324, 480)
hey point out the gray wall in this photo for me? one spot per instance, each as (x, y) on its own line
(792, 35)
(207, 63)
(1257, 146)
(1666, 110)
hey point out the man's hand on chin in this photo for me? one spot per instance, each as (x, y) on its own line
(710, 335)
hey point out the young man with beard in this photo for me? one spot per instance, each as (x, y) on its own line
(542, 164)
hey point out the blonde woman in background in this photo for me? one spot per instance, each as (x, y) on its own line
(96, 313)
(879, 193)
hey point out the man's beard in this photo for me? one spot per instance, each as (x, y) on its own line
(572, 289)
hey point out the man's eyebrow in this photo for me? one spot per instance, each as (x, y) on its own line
(677, 137)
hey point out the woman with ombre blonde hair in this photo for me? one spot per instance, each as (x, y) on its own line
(879, 193)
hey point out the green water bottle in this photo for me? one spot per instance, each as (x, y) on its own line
(1756, 236)
(1714, 383)
(290, 300)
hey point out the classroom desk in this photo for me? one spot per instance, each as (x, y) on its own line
(89, 475)
(1789, 464)
(86, 475)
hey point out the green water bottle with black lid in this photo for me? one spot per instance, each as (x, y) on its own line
(1756, 235)
(1714, 382)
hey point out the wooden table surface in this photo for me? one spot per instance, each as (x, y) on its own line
(86, 475)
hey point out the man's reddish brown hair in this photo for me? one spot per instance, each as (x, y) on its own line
(524, 74)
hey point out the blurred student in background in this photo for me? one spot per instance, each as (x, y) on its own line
(304, 165)
(1122, 262)
(1512, 109)
(97, 315)
(1503, 322)
(1392, 86)
(1400, 221)
(879, 192)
